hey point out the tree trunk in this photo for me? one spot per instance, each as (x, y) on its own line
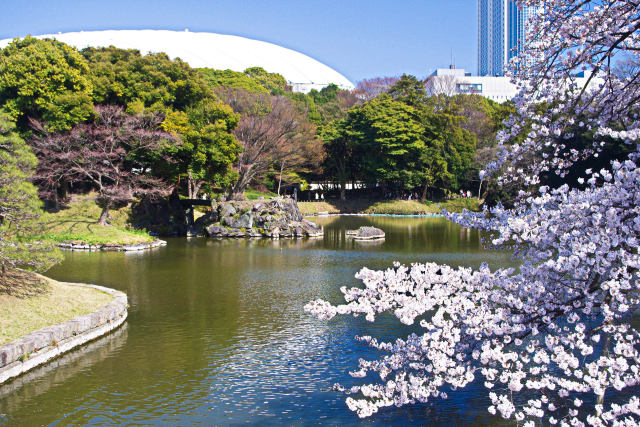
(237, 191)
(64, 189)
(190, 186)
(343, 191)
(104, 215)
(424, 193)
(280, 180)
(479, 189)
(196, 189)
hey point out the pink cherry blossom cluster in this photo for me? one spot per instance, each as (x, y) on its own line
(551, 340)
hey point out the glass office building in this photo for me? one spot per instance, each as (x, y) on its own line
(501, 31)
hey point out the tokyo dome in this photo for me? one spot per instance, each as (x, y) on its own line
(210, 50)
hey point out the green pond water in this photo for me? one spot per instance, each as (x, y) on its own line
(217, 335)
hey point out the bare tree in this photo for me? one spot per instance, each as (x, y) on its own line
(370, 88)
(110, 154)
(441, 85)
(273, 134)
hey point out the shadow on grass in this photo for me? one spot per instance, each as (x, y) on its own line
(21, 284)
(50, 226)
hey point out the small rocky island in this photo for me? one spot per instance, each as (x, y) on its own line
(273, 218)
(366, 233)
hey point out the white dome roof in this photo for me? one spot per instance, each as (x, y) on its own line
(212, 50)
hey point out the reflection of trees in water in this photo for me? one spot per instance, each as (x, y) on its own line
(405, 234)
(41, 379)
(368, 243)
(265, 243)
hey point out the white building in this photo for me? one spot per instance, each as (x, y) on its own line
(210, 50)
(502, 29)
(453, 81)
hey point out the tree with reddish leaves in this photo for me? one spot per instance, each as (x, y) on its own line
(114, 154)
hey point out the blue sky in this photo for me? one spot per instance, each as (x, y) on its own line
(359, 38)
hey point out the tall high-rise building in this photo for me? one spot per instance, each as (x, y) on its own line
(501, 32)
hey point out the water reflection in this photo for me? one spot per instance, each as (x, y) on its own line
(217, 335)
(43, 378)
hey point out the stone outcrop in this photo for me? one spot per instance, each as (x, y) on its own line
(274, 218)
(366, 233)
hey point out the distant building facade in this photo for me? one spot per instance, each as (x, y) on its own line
(502, 27)
(454, 81)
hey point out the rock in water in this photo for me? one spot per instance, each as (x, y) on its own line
(366, 233)
(216, 231)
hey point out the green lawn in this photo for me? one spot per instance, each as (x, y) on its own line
(79, 222)
(252, 194)
(391, 207)
(20, 316)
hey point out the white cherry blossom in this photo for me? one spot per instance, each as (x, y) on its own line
(551, 340)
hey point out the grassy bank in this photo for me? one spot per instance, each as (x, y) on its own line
(79, 223)
(55, 303)
(252, 194)
(390, 207)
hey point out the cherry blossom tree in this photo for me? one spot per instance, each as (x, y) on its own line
(550, 340)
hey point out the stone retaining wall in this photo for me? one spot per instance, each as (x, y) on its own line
(80, 246)
(40, 346)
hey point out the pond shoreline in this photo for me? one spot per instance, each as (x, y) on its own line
(81, 246)
(39, 347)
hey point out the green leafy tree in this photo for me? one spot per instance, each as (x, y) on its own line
(409, 90)
(339, 149)
(325, 95)
(331, 103)
(404, 147)
(231, 79)
(483, 118)
(452, 149)
(155, 82)
(19, 210)
(45, 80)
(390, 140)
(275, 83)
(208, 148)
(449, 151)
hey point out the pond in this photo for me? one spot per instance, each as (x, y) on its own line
(217, 335)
